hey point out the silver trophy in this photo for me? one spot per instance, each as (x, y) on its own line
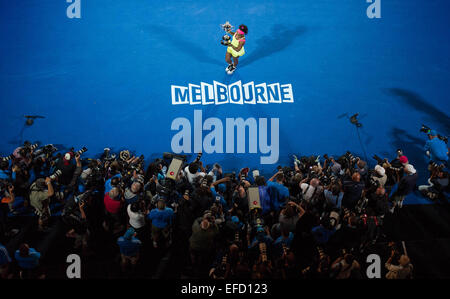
(226, 39)
(227, 27)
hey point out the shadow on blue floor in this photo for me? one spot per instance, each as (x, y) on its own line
(280, 38)
(182, 44)
(415, 101)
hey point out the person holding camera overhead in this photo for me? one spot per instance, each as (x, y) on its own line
(40, 192)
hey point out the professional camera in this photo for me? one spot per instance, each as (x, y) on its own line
(27, 148)
(287, 171)
(433, 167)
(324, 179)
(197, 159)
(350, 157)
(167, 190)
(79, 152)
(44, 152)
(8, 158)
(203, 183)
(30, 146)
(96, 177)
(347, 160)
(107, 156)
(373, 183)
(231, 175)
(55, 175)
(137, 165)
(82, 198)
(124, 155)
(427, 130)
(379, 160)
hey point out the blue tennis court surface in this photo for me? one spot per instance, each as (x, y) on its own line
(105, 80)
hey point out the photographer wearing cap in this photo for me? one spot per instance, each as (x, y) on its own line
(435, 148)
(67, 168)
(406, 185)
(40, 193)
(379, 176)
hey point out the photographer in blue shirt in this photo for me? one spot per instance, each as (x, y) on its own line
(279, 192)
(161, 218)
(28, 261)
(129, 247)
(436, 149)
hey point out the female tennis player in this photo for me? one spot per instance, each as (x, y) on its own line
(235, 48)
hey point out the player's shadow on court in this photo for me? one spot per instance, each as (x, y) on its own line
(417, 102)
(279, 39)
(176, 40)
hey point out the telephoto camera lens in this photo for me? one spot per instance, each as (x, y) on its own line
(204, 183)
(83, 150)
(33, 146)
(198, 157)
(56, 174)
(7, 158)
(124, 155)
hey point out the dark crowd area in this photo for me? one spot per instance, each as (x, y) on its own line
(174, 217)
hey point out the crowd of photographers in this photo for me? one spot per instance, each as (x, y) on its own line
(311, 219)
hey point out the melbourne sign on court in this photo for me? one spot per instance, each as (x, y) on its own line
(236, 93)
(212, 135)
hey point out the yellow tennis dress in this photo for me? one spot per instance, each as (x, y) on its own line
(235, 43)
